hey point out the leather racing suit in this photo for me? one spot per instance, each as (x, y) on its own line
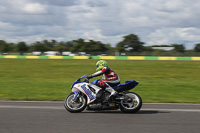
(109, 76)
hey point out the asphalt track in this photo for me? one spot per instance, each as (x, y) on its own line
(51, 117)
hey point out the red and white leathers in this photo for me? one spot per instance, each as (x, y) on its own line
(109, 76)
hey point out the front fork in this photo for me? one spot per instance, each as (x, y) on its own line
(76, 95)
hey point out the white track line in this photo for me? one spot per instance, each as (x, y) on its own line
(60, 107)
(173, 110)
(195, 104)
(31, 101)
(31, 107)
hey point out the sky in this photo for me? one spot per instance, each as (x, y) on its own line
(156, 22)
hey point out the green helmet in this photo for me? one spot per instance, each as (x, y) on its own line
(101, 64)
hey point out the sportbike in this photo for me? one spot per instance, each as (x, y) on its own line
(92, 97)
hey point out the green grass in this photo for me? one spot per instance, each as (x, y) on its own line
(160, 81)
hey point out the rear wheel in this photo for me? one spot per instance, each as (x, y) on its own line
(132, 104)
(75, 106)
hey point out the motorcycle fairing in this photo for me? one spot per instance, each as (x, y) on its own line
(129, 84)
(77, 81)
(95, 81)
(83, 88)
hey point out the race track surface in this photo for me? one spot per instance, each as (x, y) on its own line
(51, 117)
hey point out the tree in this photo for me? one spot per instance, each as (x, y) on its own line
(179, 47)
(96, 46)
(197, 47)
(49, 44)
(77, 45)
(61, 47)
(90, 46)
(38, 46)
(131, 42)
(4, 47)
(22, 47)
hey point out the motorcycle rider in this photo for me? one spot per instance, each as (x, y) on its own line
(109, 77)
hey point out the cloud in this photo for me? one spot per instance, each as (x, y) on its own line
(57, 2)
(34, 8)
(156, 22)
(188, 36)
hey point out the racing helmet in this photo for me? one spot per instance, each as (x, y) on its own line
(101, 64)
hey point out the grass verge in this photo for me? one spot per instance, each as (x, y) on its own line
(160, 81)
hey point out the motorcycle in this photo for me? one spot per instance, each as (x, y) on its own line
(92, 97)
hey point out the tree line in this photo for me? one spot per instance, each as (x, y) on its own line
(130, 43)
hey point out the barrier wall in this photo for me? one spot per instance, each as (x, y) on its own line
(102, 57)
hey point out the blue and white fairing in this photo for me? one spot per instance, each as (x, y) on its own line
(79, 86)
(78, 81)
(95, 82)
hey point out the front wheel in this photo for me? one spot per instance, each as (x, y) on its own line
(132, 104)
(75, 106)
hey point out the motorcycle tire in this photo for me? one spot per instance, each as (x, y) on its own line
(75, 106)
(132, 105)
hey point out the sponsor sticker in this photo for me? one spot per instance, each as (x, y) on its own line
(88, 92)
